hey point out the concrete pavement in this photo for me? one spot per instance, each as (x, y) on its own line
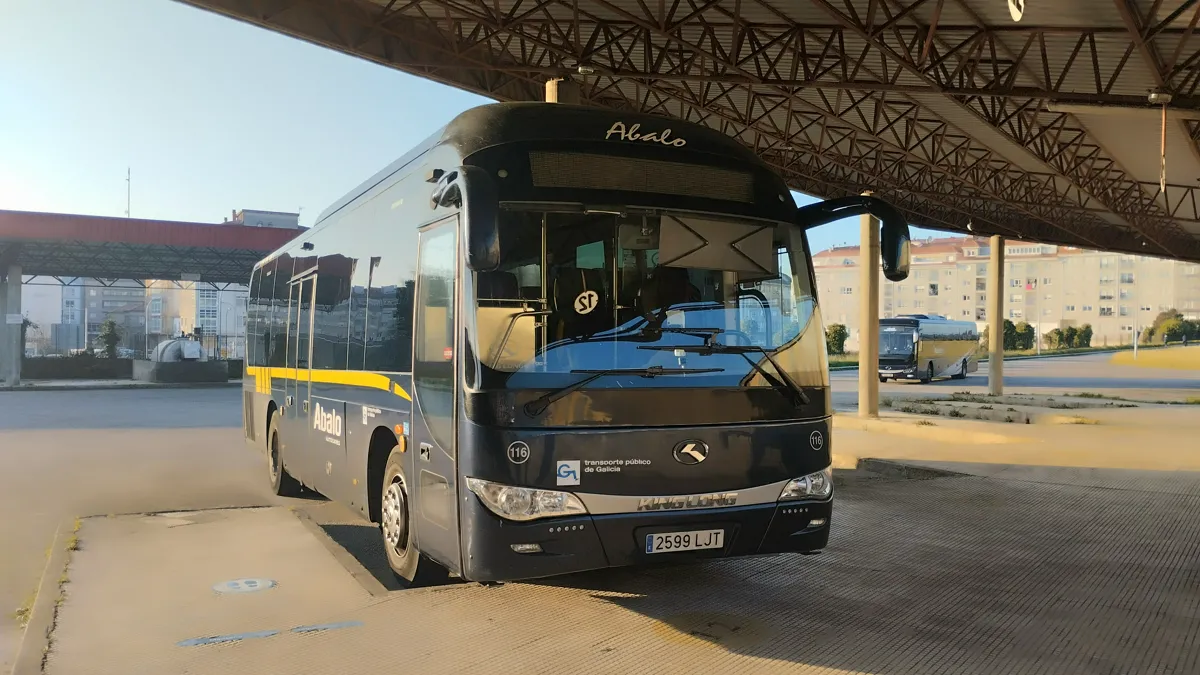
(64, 454)
(70, 453)
(1048, 572)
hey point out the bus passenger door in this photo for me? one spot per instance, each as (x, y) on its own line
(299, 446)
(433, 478)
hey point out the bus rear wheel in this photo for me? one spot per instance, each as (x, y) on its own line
(962, 372)
(412, 569)
(282, 483)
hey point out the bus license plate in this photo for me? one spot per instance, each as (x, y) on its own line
(669, 542)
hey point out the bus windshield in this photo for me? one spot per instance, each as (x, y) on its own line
(588, 291)
(896, 342)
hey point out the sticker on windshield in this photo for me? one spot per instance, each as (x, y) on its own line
(586, 301)
(567, 472)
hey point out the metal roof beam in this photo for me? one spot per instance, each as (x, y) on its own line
(984, 109)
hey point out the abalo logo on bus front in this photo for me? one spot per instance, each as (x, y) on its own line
(327, 421)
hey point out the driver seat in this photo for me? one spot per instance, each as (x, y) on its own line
(667, 286)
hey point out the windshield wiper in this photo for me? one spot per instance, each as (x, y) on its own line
(538, 406)
(783, 384)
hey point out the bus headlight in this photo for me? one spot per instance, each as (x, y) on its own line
(817, 485)
(520, 503)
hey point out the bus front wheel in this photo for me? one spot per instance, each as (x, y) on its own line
(928, 375)
(396, 525)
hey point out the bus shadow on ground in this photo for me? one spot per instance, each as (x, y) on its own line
(949, 574)
(363, 542)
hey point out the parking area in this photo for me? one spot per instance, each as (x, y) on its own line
(1012, 562)
(951, 574)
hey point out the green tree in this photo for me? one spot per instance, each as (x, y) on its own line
(1070, 336)
(26, 324)
(1191, 330)
(1083, 338)
(1010, 336)
(1053, 338)
(985, 339)
(110, 337)
(835, 338)
(1025, 336)
(1154, 333)
(1171, 330)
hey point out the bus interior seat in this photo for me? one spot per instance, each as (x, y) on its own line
(569, 284)
(665, 287)
(499, 302)
(498, 285)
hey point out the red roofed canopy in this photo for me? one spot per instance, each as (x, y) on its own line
(65, 245)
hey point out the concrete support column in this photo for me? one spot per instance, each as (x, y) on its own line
(868, 317)
(563, 91)
(3, 328)
(10, 345)
(995, 317)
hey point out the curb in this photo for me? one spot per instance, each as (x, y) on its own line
(953, 434)
(31, 652)
(894, 469)
(361, 574)
(111, 387)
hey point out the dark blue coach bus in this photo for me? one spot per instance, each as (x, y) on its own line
(555, 338)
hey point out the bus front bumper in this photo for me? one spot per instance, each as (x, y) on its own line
(576, 544)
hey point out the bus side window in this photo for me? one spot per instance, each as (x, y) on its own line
(388, 339)
(331, 313)
(355, 352)
(275, 322)
(253, 315)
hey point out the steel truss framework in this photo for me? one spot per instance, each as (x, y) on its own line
(945, 107)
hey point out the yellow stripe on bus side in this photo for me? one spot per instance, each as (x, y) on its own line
(351, 378)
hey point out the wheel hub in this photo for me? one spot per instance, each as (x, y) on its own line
(395, 516)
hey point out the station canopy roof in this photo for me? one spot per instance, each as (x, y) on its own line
(1039, 129)
(64, 245)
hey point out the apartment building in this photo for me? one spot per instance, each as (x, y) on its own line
(1045, 285)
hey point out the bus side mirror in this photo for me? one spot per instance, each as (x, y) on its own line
(894, 238)
(894, 249)
(472, 190)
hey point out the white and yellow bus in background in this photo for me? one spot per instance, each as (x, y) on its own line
(923, 346)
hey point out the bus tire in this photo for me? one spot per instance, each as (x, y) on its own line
(412, 569)
(882, 378)
(282, 483)
(962, 372)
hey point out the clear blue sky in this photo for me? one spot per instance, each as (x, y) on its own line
(210, 114)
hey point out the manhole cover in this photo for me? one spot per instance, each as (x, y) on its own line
(244, 585)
